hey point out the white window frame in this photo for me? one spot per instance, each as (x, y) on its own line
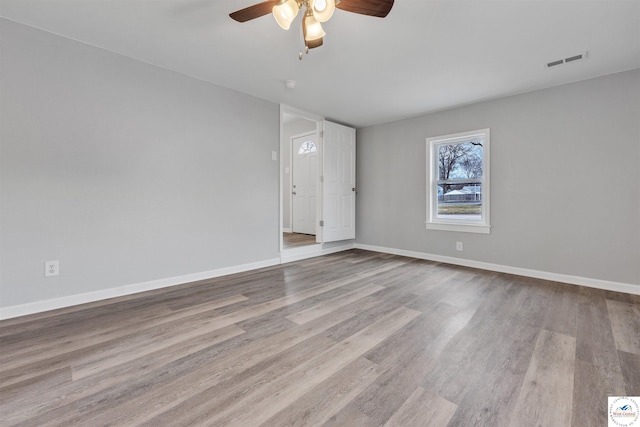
(482, 225)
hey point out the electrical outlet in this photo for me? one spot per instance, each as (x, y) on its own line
(51, 268)
(458, 246)
(274, 155)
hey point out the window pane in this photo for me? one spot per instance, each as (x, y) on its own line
(460, 160)
(307, 147)
(460, 201)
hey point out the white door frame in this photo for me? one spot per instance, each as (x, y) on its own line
(286, 109)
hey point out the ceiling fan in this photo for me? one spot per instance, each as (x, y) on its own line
(316, 12)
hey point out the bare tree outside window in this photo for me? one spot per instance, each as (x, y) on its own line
(471, 162)
(459, 161)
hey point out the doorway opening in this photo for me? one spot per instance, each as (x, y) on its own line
(300, 165)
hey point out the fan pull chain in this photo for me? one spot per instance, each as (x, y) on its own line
(306, 51)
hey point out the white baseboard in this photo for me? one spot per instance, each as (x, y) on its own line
(297, 254)
(627, 288)
(286, 230)
(71, 300)
(289, 255)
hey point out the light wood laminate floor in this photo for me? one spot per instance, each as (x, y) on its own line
(350, 339)
(294, 240)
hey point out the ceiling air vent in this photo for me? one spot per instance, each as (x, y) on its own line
(554, 63)
(573, 58)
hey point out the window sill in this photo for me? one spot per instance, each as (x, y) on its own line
(464, 228)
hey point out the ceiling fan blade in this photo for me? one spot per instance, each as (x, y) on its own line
(377, 8)
(253, 12)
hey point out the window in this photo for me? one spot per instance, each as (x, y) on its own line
(458, 182)
(307, 147)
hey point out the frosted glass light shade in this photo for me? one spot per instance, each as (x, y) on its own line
(285, 12)
(323, 9)
(313, 29)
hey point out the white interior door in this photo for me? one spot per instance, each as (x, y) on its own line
(304, 165)
(339, 187)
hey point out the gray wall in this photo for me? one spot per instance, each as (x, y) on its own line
(128, 173)
(565, 181)
(125, 172)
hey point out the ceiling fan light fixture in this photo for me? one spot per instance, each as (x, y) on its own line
(313, 29)
(315, 12)
(285, 11)
(323, 9)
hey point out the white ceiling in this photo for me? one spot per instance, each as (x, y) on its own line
(427, 55)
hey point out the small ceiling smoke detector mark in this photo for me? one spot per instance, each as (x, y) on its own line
(290, 84)
(574, 58)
